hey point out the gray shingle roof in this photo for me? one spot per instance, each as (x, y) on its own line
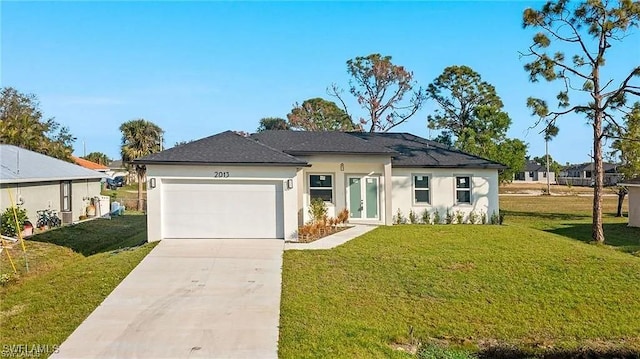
(588, 166)
(223, 148)
(532, 166)
(329, 142)
(18, 165)
(280, 147)
(414, 151)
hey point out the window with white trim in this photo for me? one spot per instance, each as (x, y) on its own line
(321, 186)
(421, 193)
(463, 189)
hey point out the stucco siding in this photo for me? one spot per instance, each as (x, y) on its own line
(340, 168)
(634, 206)
(46, 195)
(158, 173)
(484, 191)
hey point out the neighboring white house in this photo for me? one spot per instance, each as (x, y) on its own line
(37, 182)
(582, 174)
(229, 186)
(634, 201)
(534, 172)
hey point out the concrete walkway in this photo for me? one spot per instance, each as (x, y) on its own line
(196, 298)
(333, 240)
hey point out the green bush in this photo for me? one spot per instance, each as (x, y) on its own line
(426, 216)
(8, 225)
(399, 218)
(436, 217)
(317, 210)
(449, 218)
(413, 218)
(459, 217)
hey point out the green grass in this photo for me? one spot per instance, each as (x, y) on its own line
(100, 235)
(571, 217)
(62, 287)
(475, 288)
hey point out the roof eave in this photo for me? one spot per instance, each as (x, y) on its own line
(311, 153)
(205, 163)
(48, 179)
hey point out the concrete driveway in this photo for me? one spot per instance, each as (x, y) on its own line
(195, 298)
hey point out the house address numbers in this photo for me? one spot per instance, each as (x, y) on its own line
(221, 174)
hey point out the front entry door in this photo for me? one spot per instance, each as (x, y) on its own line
(363, 197)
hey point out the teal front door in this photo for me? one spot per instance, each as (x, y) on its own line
(363, 197)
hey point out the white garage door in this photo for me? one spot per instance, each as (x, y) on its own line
(206, 209)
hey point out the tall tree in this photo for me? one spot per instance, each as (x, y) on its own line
(272, 123)
(140, 138)
(318, 114)
(22, 124)
(386, 91)
(587, 31)
(626, 146)
(471, 117)
(97, 157)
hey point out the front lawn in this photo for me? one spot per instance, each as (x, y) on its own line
(516, 287)
(99, 235)
(45, 305)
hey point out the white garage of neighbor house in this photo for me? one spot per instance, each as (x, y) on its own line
(38, 182)
(634, 201)
(261, 186)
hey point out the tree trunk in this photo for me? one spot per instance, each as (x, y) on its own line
(597, 232)
(622, 192)
(546, 149)
(140, 182)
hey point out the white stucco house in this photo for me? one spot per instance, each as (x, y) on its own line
(534, 172)
(36, 181)
(229, 186)
(634, 201)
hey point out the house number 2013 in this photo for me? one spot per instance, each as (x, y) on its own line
(218, 174)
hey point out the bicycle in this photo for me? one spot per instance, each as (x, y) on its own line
(48, 218)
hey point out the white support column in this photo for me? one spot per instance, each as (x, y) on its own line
(388, 185)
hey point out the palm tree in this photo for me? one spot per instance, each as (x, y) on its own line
(140, 138)
(550, 132)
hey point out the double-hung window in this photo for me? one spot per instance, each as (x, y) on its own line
(321, 186)
(421, 193)
(463, 189)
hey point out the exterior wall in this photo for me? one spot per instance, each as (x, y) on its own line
(340, 167)
(634, 206)
(484, 191)
(236, 173)
(538, 177)
(46, 195)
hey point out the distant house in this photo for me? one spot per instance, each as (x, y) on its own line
(533, 172)
(37, 182)
(582, 174)
(118, 168)
(634, 201)
(91, 165)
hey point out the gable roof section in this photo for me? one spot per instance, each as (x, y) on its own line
(19, 165)
(418, 152)
(327, 142)
(89, 164)
(224, 148)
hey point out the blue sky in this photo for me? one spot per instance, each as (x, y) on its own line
(199, 68)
